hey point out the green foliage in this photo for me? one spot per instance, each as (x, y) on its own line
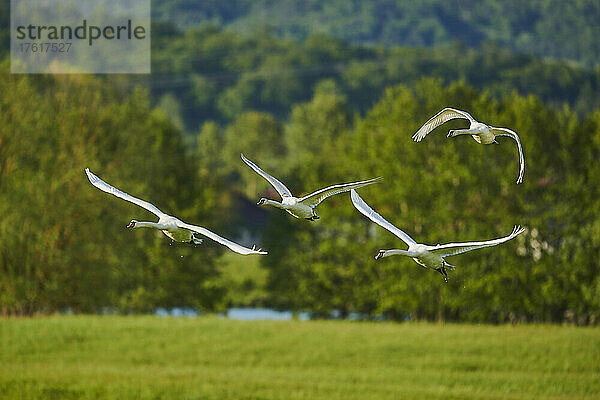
(64, 245)
(207, 73)
(258, 135)
(214, 358)
(305, 112)
(245, 280)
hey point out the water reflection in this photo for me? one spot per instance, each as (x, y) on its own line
(265, 314)
(247, 314)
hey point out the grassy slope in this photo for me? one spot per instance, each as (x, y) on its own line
(212, 358)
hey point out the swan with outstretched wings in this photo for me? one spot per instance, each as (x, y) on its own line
(431, 257)
(482, 133)
(303, 207)
(173, 227)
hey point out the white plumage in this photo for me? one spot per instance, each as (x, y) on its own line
(173, 227)
(303, 207)
(481, 132)
(432, 257)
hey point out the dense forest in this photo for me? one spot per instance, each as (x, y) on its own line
(314, 112)
(64, 245)
(55, 229)
(208, 73)
(547, 28)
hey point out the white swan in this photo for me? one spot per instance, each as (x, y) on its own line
(174, 228)
(482, 133)
(431, 257)
(303, 207)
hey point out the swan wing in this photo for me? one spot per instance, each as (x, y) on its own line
(317, 197)
(512, 134)
(280, 187)
(452, 249)
(378, 219)
(105, 187)
(438, 119)
(225, 242)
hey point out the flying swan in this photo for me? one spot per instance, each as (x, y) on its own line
(431, 257)
(303, 207)
(174, 228)
(482, 133)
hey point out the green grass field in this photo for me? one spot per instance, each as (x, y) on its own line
(112, 357)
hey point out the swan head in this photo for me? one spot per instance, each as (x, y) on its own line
(261, 201)
(380, 254)
(450, 133)
(132, 224)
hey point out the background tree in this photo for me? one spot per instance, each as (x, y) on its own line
(443, 190)
(63, 242)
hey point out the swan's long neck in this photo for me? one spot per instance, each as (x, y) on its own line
(275, 204)
(469, 131)
(396, 252)
(145, 224)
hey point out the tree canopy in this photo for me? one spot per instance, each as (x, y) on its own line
(441, 191)
(314, 113)
(64, 243)
(209, 73)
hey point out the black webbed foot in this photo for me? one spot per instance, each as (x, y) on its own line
(442, 271)
(195, 240)
(450, 267)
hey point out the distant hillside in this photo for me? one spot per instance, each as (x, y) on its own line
(215, 74)
(546, 28)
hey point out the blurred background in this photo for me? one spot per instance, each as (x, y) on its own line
(316, 93)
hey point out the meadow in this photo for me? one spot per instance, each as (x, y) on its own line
(147, 357)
